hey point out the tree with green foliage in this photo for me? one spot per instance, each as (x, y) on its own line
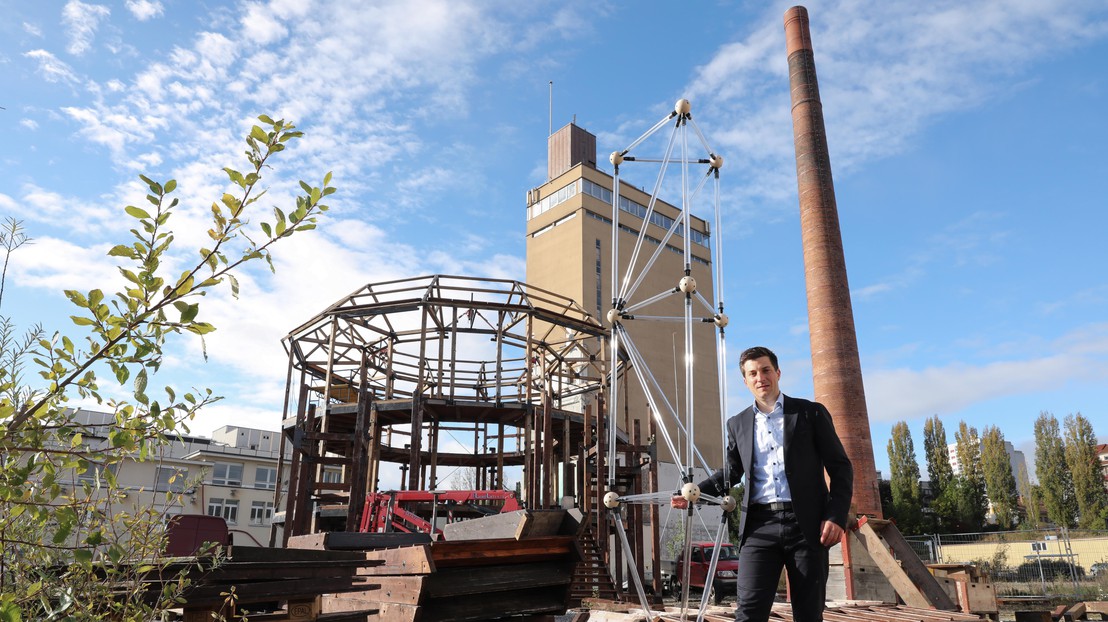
(68, 552)
(972, 478)
(1050, 469)
(1000, 484)
(940, 474)
(1084, 467)
(904, 480)
(1030, 496)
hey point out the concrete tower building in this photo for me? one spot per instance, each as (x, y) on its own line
(569, 237)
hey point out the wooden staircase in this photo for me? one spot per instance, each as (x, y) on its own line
(591, 578)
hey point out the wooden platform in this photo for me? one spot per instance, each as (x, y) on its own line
(857, 611)
(462, 581)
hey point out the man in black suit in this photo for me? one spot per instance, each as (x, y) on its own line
(782, 446)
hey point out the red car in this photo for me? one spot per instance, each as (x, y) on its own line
(723, 585)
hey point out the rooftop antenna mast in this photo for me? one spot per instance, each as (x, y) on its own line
(550, 122)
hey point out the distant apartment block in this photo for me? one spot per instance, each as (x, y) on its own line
(1015, 457)
(234, 474)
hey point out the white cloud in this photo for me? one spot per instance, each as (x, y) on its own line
(51, 68)
(54, 264)
(145, 9)
(81, 22)
(113, 128)
(32, 30)
(30, 124)
(905, 394)
(261, 26)
(885, 71)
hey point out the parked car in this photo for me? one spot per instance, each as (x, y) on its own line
(1099, 569)
(722, 584)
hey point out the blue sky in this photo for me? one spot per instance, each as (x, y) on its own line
(967, 141)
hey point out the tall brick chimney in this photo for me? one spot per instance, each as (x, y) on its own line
(836, 370)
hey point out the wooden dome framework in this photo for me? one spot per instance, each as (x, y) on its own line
(430, 374)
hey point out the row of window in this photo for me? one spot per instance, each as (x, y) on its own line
(174, 479)
(593, 189)
(261, 512)
(648, 238)
(635, 209)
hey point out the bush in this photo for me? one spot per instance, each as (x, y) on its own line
(1051, 570)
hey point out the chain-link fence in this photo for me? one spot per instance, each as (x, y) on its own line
(1024, 563)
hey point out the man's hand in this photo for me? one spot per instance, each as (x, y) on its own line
(679, 502)
(830, 534)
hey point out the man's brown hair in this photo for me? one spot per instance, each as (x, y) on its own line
(758, 352)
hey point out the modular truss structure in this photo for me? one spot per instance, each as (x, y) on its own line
(631, 305)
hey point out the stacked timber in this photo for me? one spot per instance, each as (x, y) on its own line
(506, 565)
(286, 583)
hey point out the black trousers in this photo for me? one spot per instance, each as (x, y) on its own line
(773, 541)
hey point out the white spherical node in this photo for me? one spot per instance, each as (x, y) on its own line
(687, 285)
(613, 316)
(716, 161)
(616, 158)
(690, 492)
(611, 500)
(722, 320)
(682, 107)
(728, 504)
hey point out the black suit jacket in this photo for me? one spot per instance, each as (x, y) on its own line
(811, 446)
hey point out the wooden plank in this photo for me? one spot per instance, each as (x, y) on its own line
(458, 581)
(204, 595)
(495, 527)
(408, 560)
(1076, 612)
(881, 556)
(911, 579)
(405, 589)
(481, 607)
(262, 554)
(543, 523)
(912, 566)
(356, 541)
(493, 552)
(392, 612)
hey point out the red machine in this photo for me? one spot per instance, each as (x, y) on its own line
(413, 511)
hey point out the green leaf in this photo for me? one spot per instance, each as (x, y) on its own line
(170, 186)
(82, 321)
(140, 382)
(234, 285)
(267, 230)
(121, 250)
(201, 328)
(77, 297)
(258, 133)
(265, 119)
(136, 212)
(327, 178)
(189, 314)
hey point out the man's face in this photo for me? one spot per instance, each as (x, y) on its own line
(761, 378)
